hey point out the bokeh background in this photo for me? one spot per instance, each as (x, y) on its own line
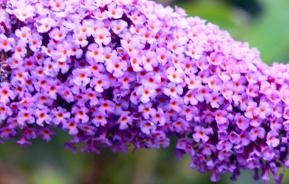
(262, 23)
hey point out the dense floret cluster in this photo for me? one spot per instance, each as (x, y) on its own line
(119, 73)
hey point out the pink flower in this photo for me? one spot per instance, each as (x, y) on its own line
(20, 50)
(23, 34)
(102, 36)
(190, 98)
(80, 39)
(174, 75)
(136, 63)
(193, 82)
(45, 24)
(24, 13)
(58, 34)
(215, 59)
(95, 53)
(117, 67)
(162, 55)
(194, 51)
(173, 90)
(6, 44)
(114, 11)
(35, 42)
(149, 61)
(118, 26)
(57, 5)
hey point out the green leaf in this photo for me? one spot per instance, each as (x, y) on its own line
(269, 33)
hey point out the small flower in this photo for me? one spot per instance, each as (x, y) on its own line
(95, 53)
(99, 119)
(80, 114)
(102, 36)
(149, 61)
(272, 139)
(20, 50)
(5, 111)
(234, 138)
(180, 125)
(23, 34)
(114, 11)
(100, 83)
(45, 24)
(24, 13)
(124, 121)
(58, 34)
(172, 90)
(81, 76)
(25, 117)
(147, 127)
(118, 26)
(174, 75)
(286, 112)
(145, 94)
(116, 67)
(201, 134)
(147, 110)
(60, 116)
(190, 98)
(57, 5)
(242, 122)
(257, 132)
(6, 93)
(71, 126)
(193, 82)
(42, 116)
(264, 109)
(46, 134)
(6, 44)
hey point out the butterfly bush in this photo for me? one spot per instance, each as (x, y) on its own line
(132, 73)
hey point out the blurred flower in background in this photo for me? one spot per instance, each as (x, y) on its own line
(262, 23)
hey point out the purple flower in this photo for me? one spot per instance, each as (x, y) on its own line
(133, 73)
(256, 133)
(201, 134)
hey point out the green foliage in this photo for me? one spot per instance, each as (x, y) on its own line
(269, 32)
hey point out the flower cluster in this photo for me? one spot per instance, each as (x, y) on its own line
(120, 73)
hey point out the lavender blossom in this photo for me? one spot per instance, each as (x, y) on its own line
(122, 73)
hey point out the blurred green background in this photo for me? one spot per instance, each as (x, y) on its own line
(264, 24)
